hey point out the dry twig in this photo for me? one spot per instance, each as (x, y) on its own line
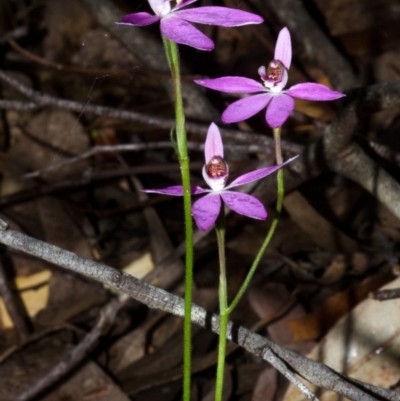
(385, 295)
(76, 355)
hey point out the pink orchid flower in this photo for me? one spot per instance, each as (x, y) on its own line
(270, 93)
(215, 172)
(175, 26)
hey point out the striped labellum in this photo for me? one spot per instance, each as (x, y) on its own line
(275, 71)
(217, 167)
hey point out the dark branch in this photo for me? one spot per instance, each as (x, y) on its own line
(41, 100)
(385, 295)
(347, 158)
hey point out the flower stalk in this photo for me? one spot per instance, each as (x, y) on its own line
(223, 306)
(272, 228)
(171, 50)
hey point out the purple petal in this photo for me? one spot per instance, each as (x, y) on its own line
(232, 84)
(138, 19)
(283, 48)
(176, 190)
(245, 108)
(311, 91)
(245, 204)
(213, 145)
(279, 110)
(183, 4)
(180, 31)
(205, 211)
(257, 174)
(221, 16)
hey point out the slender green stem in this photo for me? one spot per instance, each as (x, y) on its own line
(271, 231)
(171, 50)
(278, 148)
(223, 306)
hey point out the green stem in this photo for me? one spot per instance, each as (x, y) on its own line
(223, 306)
(171, 50)
(271, 231)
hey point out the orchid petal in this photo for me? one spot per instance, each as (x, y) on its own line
(312, 91)
(245, 204)
(221, 16)
(180, 31)
(232, 84)
(245, 108)
(138, 19)
(176, 190)
(183, 4)
(213, 145)
(279, 110)
(257, 174)
(206, 210)
(283, 48)
(160, 7)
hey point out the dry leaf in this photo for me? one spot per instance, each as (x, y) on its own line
(34, 293)
(61, 130)
(322, 231)
(365, 344)
(266, 384)
(318, 110)
(316, 324)
(140, 267)
(269, 300)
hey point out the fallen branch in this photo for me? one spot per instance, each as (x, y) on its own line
(315, 372)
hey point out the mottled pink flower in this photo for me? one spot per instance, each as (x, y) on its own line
(215, 172)
(175, 26)
(270, 93)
